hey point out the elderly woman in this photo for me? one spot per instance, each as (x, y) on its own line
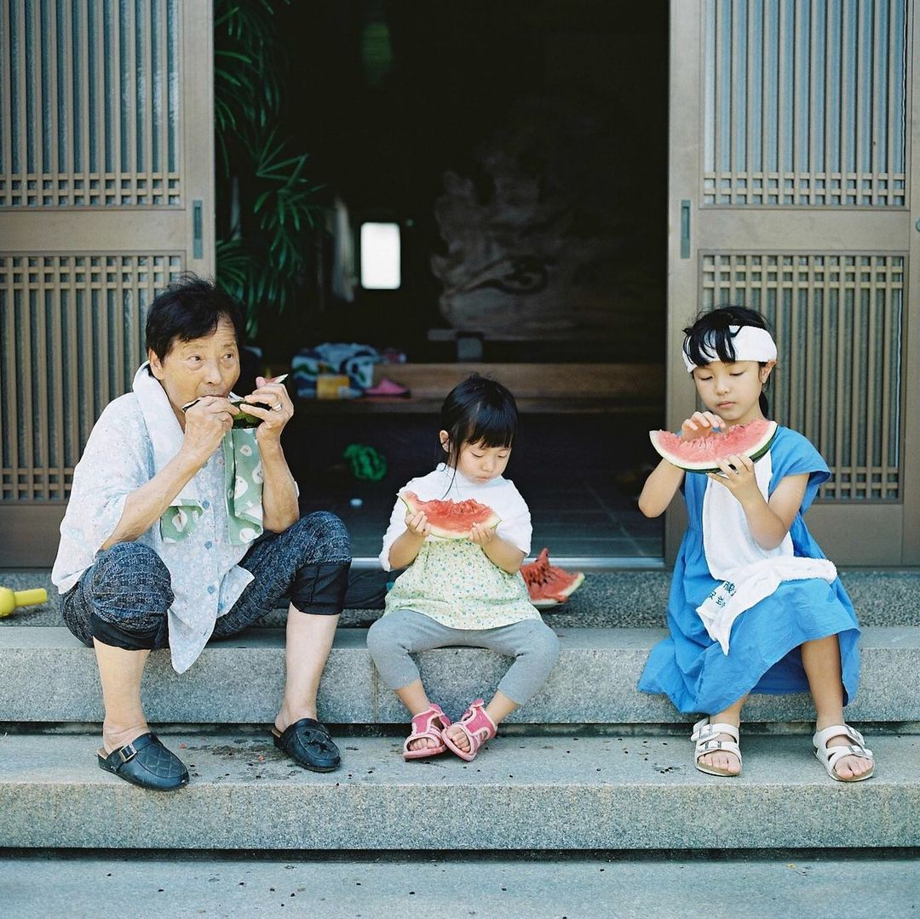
(181, 527)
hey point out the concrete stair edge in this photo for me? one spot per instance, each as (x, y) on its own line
(50, 677)
(521, 793)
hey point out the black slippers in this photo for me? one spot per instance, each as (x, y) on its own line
(308, 743)
(146, 762)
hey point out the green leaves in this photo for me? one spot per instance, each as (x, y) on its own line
(265, 251)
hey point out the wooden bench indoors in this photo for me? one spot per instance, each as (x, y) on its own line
(550, 388)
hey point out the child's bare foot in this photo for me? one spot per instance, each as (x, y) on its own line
(849, 766)
(857, 765)
(717, 751)
(425, 739)
(475, 727)
(723, 760)
(458, 737)
(422, 743)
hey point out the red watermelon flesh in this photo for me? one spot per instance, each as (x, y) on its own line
(549, 585)
(704, 453)
(451, 519)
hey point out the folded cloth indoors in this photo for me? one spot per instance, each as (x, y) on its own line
(356, 361)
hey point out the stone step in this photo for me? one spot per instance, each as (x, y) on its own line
(48, 676)
(505, 885)
(561, 792)
(608, 599)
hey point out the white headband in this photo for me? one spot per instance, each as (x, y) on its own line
(749, 343)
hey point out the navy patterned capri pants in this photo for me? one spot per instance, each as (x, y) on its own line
(123, 598)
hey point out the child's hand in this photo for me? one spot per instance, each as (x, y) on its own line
(481, 534)
(737, 475)
(700, 424)
(418, 524)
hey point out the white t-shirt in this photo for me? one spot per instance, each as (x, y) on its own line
(447, 484)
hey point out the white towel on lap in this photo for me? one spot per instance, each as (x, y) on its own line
(748, 572)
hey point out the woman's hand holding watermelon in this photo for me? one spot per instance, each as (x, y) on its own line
(700, 424)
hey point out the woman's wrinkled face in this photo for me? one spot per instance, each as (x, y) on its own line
(207, 366)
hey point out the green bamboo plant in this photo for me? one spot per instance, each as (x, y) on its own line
(271, 211)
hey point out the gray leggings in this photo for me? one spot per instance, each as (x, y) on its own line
(532, 643)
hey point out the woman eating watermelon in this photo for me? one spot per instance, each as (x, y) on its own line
(754, 606)
(462, 532)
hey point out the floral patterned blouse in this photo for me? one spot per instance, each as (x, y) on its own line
(205, 576)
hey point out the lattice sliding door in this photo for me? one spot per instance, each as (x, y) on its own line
(106, 194)
(792, 193)
(838, 321)
(72, 328)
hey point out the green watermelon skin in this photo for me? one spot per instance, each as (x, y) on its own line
(752, 440)
(450, 519)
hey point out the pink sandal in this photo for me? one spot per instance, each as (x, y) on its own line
(478, 727)
(425, 724)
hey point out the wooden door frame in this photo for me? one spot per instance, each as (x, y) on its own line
(684, 197)
(29, 529)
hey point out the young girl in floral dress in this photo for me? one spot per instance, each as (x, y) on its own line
(463, 592)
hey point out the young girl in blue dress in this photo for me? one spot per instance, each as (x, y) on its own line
(463, 592)
(754, 605)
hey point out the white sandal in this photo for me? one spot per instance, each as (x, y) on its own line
(707, 740)
(830, 756)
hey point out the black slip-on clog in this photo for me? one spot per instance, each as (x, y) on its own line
(309, 744)
(146, 762)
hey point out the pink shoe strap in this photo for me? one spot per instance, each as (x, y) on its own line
(423, 723)
(477, 724)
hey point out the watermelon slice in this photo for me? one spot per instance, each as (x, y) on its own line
(703, 454)
(451, 519)
(549, 585)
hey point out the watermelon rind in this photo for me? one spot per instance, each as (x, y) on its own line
(562, 596)
(439, 532)
(754, 452)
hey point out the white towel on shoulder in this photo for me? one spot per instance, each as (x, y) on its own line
(748, 572)
(165, 432)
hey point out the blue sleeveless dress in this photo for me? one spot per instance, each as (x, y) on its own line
(764, 655)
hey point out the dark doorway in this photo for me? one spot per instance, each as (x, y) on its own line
(521, 148)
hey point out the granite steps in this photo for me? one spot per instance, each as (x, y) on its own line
(590, 764)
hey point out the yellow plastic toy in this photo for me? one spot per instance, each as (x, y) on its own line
(11, 600)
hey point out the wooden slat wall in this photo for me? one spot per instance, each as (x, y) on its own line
(71, 338)
(805, 103)
(838, 323)
(91, 107)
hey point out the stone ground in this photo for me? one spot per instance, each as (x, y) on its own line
(797, 885)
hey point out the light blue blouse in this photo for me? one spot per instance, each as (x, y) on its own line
(206, 577)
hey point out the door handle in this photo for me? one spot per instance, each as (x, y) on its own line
(197, 229)
(685, 229)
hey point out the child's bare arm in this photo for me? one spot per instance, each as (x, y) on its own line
(659, 489)
(500, 552)
(661, 486)
(406, 547)
(770, 522)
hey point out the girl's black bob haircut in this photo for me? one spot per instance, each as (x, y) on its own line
(478, 411)
(710, 332)
(188, 309)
